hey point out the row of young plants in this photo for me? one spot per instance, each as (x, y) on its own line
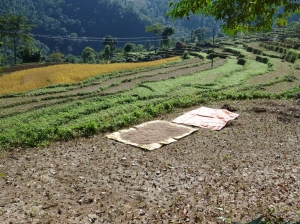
(239, 52)
(257, 51)
(99, 113)
(288, 54)
(35, 129)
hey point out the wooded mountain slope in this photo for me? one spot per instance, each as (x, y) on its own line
(78, 18)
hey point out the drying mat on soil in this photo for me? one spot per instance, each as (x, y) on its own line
(152, 135)
(205, 117)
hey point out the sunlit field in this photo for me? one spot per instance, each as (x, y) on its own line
(30, 79)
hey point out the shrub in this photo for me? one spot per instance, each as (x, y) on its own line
(185, 55)
(249, 49)
(292, 55)
(256, 51)
(296, 46)
(241, 61)
(262, 59)
(56, 57)
(297, 64)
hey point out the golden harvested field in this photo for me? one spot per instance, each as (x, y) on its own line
(34, 78)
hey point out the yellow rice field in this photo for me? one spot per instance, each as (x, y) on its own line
(34, 78)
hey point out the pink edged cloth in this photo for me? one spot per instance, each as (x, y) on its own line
(205, 117)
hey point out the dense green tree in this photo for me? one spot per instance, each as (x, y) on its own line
(128, 47)
(17, 28)
(139, 48)
(71, 58)
(148, 45)
(111, 41)
(165, 35)
(198, 35)
(56, 57)
(107, 52)
(0, 56)
(155, 28)
(30, 54)
(238, 15)
(89, 55)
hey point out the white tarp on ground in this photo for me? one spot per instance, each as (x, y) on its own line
(153, 134)
(205, 117)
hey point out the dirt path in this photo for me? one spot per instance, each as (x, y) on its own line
(238, 172)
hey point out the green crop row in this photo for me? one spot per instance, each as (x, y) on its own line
(96, 112)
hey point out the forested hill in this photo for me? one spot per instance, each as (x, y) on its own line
(94, 18)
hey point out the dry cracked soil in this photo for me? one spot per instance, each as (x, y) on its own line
(252, 164)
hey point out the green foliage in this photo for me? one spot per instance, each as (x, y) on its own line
(84, 114)
(185, 55)
(262, 59)
(0, 56)
(111, 41)
(274, 47)
(107, 52)
(292, 55)
(237, 51)
(89, 55)
(148, 45)
(297, 64)
(17, 29)
(156, 28)
(241, 61)
(128, 47)
(139, 48)
(71, 58)
(237, 15)
(30, 54)
(198, 35)
(250, 49)
(56, 57)
(165, 35)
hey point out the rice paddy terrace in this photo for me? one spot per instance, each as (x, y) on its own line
(122, 97)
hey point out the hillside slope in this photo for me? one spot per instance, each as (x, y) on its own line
(75, 18)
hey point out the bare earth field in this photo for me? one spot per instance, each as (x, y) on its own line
(250, 165)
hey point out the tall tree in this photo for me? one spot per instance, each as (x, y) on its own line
(155, 28)
(30, 53)
(148, 45)
(89, 55)
(128, 47)
(198, 33)
(111, 41)
(16, 28)
(166, 33)
(238, 15)
(107, 52)
(0, 56)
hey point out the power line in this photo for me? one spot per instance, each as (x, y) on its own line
(99, 39)
(95, 39)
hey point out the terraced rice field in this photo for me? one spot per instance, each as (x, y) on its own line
(57, 166)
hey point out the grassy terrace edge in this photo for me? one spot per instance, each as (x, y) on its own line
(41, 136)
